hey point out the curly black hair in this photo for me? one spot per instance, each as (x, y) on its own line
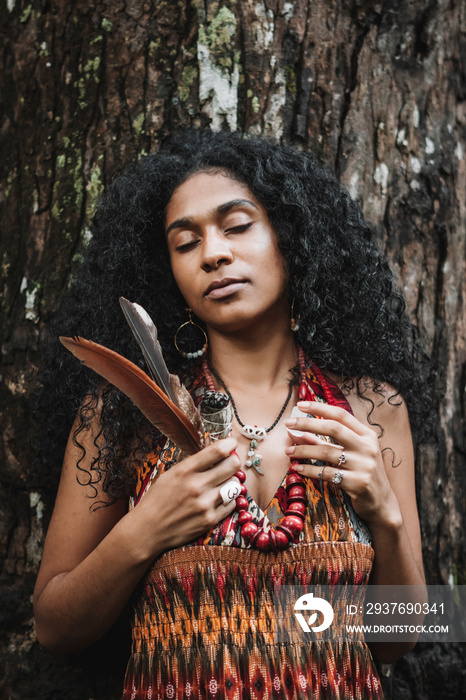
(353, 320)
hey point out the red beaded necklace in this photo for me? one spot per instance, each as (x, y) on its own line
(289, 528)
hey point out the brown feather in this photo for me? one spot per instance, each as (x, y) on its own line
(140, 388)
(146, 334)
(186, 403)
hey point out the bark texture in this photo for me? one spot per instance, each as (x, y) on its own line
(375, 90)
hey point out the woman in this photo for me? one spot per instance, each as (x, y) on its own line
(280, 273)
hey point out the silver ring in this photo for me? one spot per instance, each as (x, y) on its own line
(230, 491)
(321, 473)
(337, 478)
(342, 459)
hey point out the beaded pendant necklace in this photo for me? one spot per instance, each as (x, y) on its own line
(288, 529)
(253, 431)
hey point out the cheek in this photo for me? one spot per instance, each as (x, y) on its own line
(186, 282)
(273, 267)
(175, 271)
(265, 247)
(180, 275)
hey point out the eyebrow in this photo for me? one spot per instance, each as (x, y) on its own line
(221, 209)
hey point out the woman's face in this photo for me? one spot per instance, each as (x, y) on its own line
(224, 253)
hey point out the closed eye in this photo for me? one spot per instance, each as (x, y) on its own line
(238, 229)
(186, 246)
(232, 229)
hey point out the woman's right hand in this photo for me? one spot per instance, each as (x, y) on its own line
(95, 556)
(184, 502)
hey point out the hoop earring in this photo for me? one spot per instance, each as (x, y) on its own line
(295, 322)
(196, 353)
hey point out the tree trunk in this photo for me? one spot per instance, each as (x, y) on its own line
(378, 93)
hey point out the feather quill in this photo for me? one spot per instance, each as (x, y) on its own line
(145, 332)
(141, 389)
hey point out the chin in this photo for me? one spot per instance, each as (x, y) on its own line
(229, 327)
(239, 316)
(242, 322)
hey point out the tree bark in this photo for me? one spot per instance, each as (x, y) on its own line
(377, 92)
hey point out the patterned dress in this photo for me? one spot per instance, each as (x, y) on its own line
(204, 614)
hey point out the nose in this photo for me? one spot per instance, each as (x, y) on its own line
(216, 250)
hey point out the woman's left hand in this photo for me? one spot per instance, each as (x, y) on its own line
(354, 455)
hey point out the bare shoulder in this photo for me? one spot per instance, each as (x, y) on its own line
(382, 408)
(378, 404)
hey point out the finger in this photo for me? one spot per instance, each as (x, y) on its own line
(213, 454)
(231, 494)
(301, 430)
(223, 471)
(222, 511)
(332, 454)
(336, 413)
(304, 437)
(339, 477)
(303, 427)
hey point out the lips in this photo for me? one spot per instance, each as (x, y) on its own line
(224, 287)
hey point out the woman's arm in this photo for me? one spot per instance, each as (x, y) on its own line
(383, 495)
(94, 558)
(400, 515)
(397, 538)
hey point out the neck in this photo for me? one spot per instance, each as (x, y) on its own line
(258, 359)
